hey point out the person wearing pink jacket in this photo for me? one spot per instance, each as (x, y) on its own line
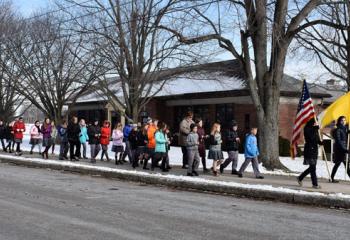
(36, 137)
(117, 137)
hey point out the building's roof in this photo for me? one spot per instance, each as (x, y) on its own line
(222, 76)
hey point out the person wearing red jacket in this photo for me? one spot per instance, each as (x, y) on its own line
(18, 129)
(105, 139)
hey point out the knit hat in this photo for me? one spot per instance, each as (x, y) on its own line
(234, 123)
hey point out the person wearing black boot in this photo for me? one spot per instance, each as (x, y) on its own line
(73, 132)
(142, 141)
(312, 140)
(105, 139)
(133, 146)
(232, 142)
(160, 149)
(2, 134)
(201, 146)
(117, 147)
(9, 137)
(340, 135)
(94, 132)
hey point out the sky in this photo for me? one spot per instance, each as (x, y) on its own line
(294, 67)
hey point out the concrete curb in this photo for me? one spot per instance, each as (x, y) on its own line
(305, 198)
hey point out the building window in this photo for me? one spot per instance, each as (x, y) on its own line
(224, 114)
(247, 121)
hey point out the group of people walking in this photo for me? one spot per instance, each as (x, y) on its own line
(192, 141)
(140, 143)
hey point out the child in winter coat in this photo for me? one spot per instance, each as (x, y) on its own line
(133, 146)
(160, 149)
(215, 152)
(201, 146)
(19, 128)
(105, 139)
(83, 137)
(35, 137)
(64, 146)
(54, 133)
(9, 137)
(117, 137)
(46, 130)
(251, 153)
(232, 142)
(151, 145)
(2, 134)
(192, 151)
(94, 132)
(142, 141)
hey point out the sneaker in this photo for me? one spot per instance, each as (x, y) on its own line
(184, 167)
(299, 182)
(205, 170)
(260, 177)
(334, 181)
(195, 173)
(234, 172)
(221, 169)
(316, 186)
(190, 174)
(145, 168)
(240, 175)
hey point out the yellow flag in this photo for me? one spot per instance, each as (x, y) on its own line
(341, 107)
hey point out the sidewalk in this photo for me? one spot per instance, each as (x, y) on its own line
(273, 187)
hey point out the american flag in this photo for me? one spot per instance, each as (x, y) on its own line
(305, 112)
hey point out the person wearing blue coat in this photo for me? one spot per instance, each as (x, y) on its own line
(83, 136)
(126, 132)
(251, 153)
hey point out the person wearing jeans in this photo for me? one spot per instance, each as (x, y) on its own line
(312, 140)
(251, 153)
(192, 151)
(94, 132)
(184, 130)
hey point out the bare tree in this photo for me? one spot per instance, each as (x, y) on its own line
(54, 66)
(127, 36)
(266, 30)
(330, 43)
(10, 99)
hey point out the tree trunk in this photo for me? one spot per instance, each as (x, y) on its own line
(135, 113)
(269, 141)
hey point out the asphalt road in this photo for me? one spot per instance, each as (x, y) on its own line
(40, 204)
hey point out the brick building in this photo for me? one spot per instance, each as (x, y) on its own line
(215, 92)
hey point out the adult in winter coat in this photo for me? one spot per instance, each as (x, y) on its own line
(83, 137)
(105, 139)
(18, 128)
(184, 130)
(312, 140)
(215, 152)
(232, 142)
(201, 146)
(36, 137)
(2, 134)
(160, 149)
(192, 151)
(46, 130)
(73, 132)
(94, 132)
(64, 146)
(251, 153)
(126, 131)
(340, 135)
(118, 147)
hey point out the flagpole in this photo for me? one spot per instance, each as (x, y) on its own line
(347, 155)
(323, 150)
